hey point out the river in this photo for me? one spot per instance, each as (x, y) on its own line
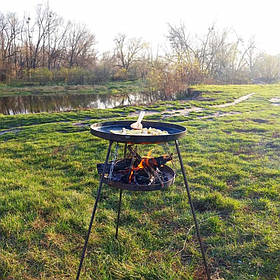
(12, 105)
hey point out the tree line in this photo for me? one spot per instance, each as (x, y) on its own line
(46, 49)
(43, 42)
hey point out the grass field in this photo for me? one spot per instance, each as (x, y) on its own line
(48, 184)
(106, 88)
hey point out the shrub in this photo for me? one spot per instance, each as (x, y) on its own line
(39, 75)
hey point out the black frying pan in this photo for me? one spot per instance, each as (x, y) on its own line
(103, 130)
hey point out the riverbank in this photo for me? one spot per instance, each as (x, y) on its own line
(106, 88)
(48, 182)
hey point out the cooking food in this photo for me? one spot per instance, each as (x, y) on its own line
(143, 131)
(138, 125)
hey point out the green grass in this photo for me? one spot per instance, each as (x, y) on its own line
(48, 184)
(106, 88)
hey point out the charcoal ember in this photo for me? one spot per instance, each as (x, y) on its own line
(141, 180)
(117, 176)
(141, 173)
(125, 178)
(120, 165)
(139, 177)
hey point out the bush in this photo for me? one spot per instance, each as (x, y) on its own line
(74, 76)
(120, 75)
(39, 75)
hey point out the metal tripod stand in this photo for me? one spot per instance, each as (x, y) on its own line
(119, 209)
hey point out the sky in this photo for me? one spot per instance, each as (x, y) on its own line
(149, 19)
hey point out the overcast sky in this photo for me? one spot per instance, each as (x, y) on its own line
(149, 18)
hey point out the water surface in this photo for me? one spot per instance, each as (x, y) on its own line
(12, 105)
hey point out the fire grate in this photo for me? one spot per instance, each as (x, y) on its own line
(132, 175)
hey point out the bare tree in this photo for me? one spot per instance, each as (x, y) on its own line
(46, 22)
(267, 68)
(56, 38)
(80, 46)
(214, 55)
(105, 68)
(181, 43)
(127, 51)
(9, 36)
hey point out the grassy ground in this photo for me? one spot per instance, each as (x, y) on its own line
(48, 183)
(106, 88)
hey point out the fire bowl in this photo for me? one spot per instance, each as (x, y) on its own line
(169, 176)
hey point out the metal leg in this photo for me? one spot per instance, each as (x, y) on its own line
(119, 211)
(120, 199)
(125, 150)
(93, 212)
(192, 209)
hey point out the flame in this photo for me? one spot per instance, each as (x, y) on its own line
(149, 153)
(143, 163)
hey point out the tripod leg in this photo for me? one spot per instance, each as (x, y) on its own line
(119, 211)
(93, 212)
(192, 209)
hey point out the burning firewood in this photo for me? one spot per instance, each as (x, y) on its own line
(124, 164)
(136, 169)
(148, 161)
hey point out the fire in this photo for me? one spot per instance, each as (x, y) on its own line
(149, 154)
(143, 164)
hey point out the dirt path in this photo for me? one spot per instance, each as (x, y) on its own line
(219, 114)
(275, 101)
(236, 101)
(14, 130)
(185, 112)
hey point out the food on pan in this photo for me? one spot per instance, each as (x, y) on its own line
(143, 131)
